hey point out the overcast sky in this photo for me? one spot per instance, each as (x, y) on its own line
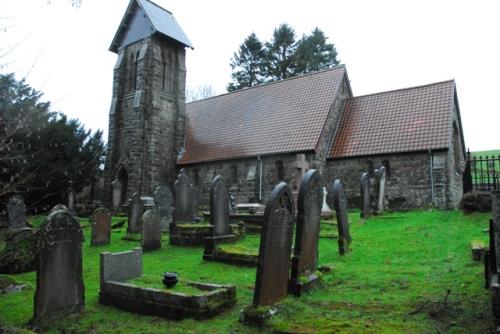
(385, 45)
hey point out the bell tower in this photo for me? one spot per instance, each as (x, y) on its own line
(147, 114)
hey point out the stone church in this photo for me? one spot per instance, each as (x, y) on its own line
(261, 135)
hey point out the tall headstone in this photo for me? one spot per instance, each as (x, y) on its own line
(275, 248)
(101, 227)
(183, 198)
(71, 197)
(365, 196)
(305, 251)
(16, 212)
(116, 185)
(135, 209)
(219, 208)
(59, 284)
(151, 231)
(381, 189)
(340, 204)
(163, 206)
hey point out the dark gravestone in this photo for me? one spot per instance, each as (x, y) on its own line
(219, 208)
(163, 206)
(16, 212)
(184, 196)
(305, 258)
(135, 209)
(58, 207)
(365, 196)
(101, 227)
(381, 178)
(275, 248)
(340, 205)
(18, 255)
(151, 232)
(59, 283)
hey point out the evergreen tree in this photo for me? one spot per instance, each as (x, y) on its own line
(247, 64)
(314, 53)
(280, 53)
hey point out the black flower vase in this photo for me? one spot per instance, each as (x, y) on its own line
(170, 279)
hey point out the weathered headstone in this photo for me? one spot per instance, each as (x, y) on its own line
(18, 255)
(117, 194)
(275, 248)
(101, 227)
(151, 232)
(219, 209)
(325, 208)
(163, 206)
(340, 205)
(305, 258)
(184, 196)
(71, 197)
(135, 209)
(381, 189)
(59, 283)
(16, 212)
(365, 196)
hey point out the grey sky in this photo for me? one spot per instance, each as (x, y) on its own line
(384, 44)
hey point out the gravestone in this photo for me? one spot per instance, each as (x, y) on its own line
(59, 207)
(275, 248)
(340, 205)
(365, 196)
(16, 212)
(117, 194)
(305, 258)
(136, 206)
(326, 211)
(71, 197)
(101, 227)
(151, 231)
(381, 189)
(163, 206)
(183, 198)
(59, 283)
(219, 208)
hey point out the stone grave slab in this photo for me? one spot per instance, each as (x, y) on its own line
(16, 212)
(163, 205)
(100, 233)
(340, 205)
(151, 231)
(365, 196)
(135, 211)
(184, 196)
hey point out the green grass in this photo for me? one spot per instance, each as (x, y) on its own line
(407, 273)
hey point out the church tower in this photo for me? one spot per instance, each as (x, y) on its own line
(147, 114)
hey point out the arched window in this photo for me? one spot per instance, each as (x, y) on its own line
(122, 176)
(280, 170)
(131, 72)
(171, 77)
(163, 71)
(136, 69)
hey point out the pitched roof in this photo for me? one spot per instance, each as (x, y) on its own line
(279, 117)
(144, 18)
(405, 120)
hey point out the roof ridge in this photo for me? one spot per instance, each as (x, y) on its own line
(273, 82)
(157, 5)
(402, 89)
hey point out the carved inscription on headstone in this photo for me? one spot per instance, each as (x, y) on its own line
(151, 232)
(135, 209)
(101, 227)
(340, 204)
(219, 208)
(59, 283)
(275, 248)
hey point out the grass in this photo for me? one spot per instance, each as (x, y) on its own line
(407, 273)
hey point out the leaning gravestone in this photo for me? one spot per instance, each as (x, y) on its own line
(183, 198)
(219, 208)
(151, 232)
(340, 204)
(381, 189)
(101, 227)
(16, 212)
(365, 196)
(59, 283)
(163, 206)
(136, 206)
(305, 258)
(117, 194)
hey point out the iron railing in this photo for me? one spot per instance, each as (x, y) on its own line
(482, 173)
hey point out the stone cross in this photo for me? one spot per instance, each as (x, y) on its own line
(301, 165)
(101, 227)
(305, 251)
(59, 282)
(340, 205)
(273, 266)
(163, 206)
(381, 189)
(365, 196)
(325, 208)
(135, 209)
(183, 198)
(151, 231)
(219, 208)
(16, 212)
(117, 194)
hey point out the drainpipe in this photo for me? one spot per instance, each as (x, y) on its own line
(431, 164)
(260, 178)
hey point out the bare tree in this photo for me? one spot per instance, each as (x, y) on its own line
(200, 93)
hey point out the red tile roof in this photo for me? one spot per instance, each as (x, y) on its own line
(279, 117)
(405, 120)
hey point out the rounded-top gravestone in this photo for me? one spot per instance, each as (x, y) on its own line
(219, 206)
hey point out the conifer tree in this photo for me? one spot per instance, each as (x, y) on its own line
(314, 53)
(247, 64)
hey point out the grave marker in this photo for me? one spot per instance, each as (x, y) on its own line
(163, 206)
(135, 209)
(365, 196)
(101, 227)
(183, 198)
(117, 194)
(151, 232)
(340, 205)
(16, 212)
(381, 189)
(219, 208)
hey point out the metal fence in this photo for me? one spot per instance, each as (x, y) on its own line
(482, 173)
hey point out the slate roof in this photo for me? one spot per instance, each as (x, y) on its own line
(159, 21)
(405, 120)
(279, 117)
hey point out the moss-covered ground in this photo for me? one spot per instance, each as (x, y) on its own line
(407, 273)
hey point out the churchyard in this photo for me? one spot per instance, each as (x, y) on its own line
(406, 272)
